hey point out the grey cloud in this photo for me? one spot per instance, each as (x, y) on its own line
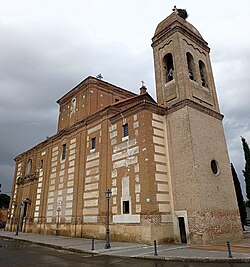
(35, 73)
(7, 172)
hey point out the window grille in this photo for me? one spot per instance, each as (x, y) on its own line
(125, 130)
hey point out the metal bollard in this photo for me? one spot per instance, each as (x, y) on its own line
(229, 250)
(155, 249)
(93, 244)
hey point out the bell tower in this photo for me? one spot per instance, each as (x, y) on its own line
(204, 202)
(182, 63)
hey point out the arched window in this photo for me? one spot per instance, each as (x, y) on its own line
(203, 73)
(191, 68)
(169, 67)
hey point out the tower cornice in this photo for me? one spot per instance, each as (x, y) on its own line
(194, 105)
(177, 27)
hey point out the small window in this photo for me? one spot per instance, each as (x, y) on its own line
(214, 166)
(93, 143)
(63, 151)
(203, 73)
(125, 130)
(169, 67)
(117, 100)
(126, 207)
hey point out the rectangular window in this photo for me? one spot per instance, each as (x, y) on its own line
(41, 164)
(93, 143)
(125, 130)
(126, 207)
(63, 151)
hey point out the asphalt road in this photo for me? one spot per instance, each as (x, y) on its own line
(15, 253)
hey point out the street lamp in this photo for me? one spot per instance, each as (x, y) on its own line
(108, 195)
(58, 219)
(18, 222)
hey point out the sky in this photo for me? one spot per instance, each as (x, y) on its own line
(49, 46)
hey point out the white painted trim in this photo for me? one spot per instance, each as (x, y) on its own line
(169, 171)
(126, 218)
(124, 138)
(90, 219)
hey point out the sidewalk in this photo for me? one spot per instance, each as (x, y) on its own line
(217, 253)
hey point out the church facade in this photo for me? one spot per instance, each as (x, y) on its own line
(166, 162)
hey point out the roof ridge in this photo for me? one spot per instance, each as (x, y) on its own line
(89, 78)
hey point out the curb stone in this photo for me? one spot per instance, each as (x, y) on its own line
(194, 259)
(161, 258)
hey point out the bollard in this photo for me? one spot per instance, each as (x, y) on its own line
(155, 249)
(93, 244)
(229, 250)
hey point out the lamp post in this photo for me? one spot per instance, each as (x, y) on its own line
(108, 195)
(18, 221)
(58, 218)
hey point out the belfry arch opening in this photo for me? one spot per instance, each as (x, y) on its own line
(203, 73)
(169, 67)
(191, 67)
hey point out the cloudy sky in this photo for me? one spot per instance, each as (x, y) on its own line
(49, 46)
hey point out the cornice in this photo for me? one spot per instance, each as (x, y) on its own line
(142, 105)
(194, 105)
(175, 27)
(90, 82)
(27, 178)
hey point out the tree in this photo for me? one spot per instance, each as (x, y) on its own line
(4, 201)
(246, 172)
(239, 196)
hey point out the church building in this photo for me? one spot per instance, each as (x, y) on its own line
(165, 162)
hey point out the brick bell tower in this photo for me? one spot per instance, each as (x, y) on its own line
(205, 207)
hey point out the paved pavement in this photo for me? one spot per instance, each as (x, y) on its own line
(216, 253)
